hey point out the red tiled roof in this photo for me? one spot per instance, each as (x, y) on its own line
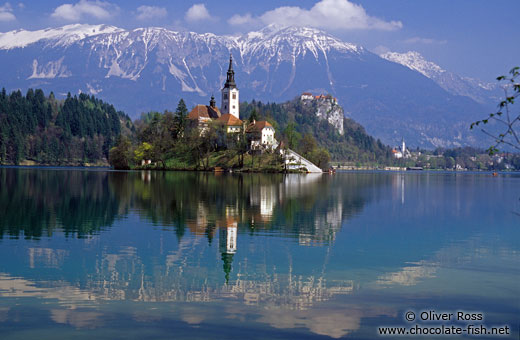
(258, 126)
(204, 111)
(306, 94)
(229, 120)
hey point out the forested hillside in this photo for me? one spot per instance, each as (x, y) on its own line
(40, 130)
(296, 123)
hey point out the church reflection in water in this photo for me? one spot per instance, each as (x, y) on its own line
(118, 228)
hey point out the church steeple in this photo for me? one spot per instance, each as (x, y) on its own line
(230, 81)
(230, 101)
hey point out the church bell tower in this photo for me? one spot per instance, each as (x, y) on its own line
(230, 103)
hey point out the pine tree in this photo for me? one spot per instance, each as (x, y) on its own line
(181, 114)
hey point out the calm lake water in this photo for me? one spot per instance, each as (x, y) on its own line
(94, 254)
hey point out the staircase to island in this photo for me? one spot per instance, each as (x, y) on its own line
(295, 161)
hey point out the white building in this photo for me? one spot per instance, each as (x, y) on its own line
(261, 134)
(230, 102)
(401, 152)
(306, 96)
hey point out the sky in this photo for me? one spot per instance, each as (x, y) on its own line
(473, 38)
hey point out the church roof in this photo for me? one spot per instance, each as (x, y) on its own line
(229, 120)
(259, 126)
(204, 111)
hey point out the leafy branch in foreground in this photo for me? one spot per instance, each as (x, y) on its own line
(504, 115)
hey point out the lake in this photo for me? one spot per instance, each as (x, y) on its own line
(183, 255)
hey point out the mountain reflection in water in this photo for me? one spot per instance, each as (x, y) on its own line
(307, 254)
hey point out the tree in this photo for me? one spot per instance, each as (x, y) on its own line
(164, 141)
(505, 115)
(181, 114)
(307, 144)
(253, 116)
(321, 158)
(143, 152)
(293, 136)
(119, 155)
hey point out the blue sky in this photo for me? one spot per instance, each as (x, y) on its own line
(469, 37)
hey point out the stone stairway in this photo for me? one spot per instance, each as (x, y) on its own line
(296, 161)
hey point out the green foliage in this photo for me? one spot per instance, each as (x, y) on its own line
(292, 136)
(120, 155)
(293, 120)
(509, 135)
(253, 116)
(143, 152)
(181, 115)
(35, 129)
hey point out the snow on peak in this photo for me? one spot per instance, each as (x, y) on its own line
(291, 41)
(60, 36)
(415, 61)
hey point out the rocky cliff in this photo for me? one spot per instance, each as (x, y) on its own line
(327, 108)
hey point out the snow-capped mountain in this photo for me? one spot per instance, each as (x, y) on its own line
(61, 36)
(475, 89)
(152, 68)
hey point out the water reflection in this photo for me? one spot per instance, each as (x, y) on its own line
(81, 203)
(325, 255)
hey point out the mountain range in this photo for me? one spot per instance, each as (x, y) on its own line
(143, 69)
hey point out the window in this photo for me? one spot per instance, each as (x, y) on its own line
(233, 106)
(234, 96)
(225, 95)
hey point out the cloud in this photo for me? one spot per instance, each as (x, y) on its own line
(151, 12)
(96, 9)
(380, 49)
(197, 12)
(427, 41)
(237, 20)
(328, 14)
(6, 13)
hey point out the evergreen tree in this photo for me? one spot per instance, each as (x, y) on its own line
(181, 114)
(253, 116)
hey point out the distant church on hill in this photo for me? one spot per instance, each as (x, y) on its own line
(259, 133)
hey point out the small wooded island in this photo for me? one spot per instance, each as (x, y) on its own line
(209, 138)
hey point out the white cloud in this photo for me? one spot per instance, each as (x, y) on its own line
(237, 20)
(96, 9)
(197, 12)
(151, 12)
(328, 14)
(6, 13)
(427, 41)
(380, 49)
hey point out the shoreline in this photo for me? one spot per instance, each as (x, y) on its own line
(249, 171)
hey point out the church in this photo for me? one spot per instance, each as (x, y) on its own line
(259, 133)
